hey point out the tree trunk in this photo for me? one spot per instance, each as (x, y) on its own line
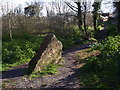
(95, 23)
(96, 6)
(79, 16)
(119, 16)
(10, 32)
(84, 17)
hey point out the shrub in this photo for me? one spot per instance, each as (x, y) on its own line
(106, 64)
(19, 50)
(100, 27)
(14, 52)
(109, 48)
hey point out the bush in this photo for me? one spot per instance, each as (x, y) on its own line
(105, 65)
(109, 48)
(19, 50)
(73, 37)
(14, 52)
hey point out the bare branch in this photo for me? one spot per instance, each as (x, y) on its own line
(71, 7)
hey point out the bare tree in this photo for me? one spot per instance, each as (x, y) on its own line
(50, 9)
(117, 5)
(78, 10)
(96, 6)
(84, 15)
(57, 7)
(7, 13)
(18, 10)
(33, 9)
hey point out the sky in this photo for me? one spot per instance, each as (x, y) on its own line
(14, 3)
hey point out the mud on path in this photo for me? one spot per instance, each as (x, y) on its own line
(67, 76)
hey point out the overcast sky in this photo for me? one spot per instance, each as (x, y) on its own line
(14, 3)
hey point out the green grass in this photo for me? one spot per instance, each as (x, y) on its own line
(8, 83)
(85, 54)
(48, 70)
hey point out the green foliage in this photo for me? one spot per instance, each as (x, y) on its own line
(72, 38)
(50, 69)
(23, 46)
(19, 51)
(109, 53)
(112, 30)
(100, 27)
(76, 37)
(5, 37)
(92, 80)
(67, 42)
(90, 32)
(105, 65)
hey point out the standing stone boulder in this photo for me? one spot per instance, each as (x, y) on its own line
(50, 51)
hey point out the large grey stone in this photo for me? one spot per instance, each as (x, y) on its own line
(49, 52)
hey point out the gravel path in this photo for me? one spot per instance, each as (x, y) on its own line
(67, 76)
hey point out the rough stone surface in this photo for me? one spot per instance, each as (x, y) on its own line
(49, 52)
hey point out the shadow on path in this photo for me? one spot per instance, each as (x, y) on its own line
(20, 71)
(85, 46)
(71, 81)
(16, 72)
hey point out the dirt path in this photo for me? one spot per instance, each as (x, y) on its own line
(67, 76)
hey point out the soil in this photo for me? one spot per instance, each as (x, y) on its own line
(67, 76)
